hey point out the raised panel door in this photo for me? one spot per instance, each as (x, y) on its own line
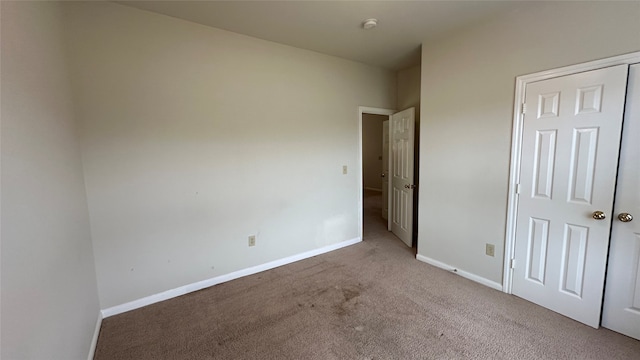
(402, 153)
(621, 310)
(570, 148)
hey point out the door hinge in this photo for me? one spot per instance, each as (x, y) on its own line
(518, 189)
(524, 108)
(512, 263)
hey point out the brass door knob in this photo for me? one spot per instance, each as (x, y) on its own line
(599, 215)
(625, 217)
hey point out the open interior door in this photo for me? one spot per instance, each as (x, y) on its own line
(402, 151)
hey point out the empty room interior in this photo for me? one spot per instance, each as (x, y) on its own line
(320, 179)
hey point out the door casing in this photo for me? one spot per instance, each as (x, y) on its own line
(516, 145)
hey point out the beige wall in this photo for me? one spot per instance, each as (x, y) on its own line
(409, 83)
(467, 107)
(49, 294)
(409, 89)
(194, 138)
(372, 150)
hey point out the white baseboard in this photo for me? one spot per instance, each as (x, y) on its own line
(94, 341)
(169, 294)
(372, 189)
(464, 274)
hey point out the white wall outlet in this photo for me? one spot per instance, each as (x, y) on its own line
(252, 240)
(344, 169)
(490, 250)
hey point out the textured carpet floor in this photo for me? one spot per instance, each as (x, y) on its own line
(372, 300)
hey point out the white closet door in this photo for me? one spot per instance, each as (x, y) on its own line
(621, 311)
(570, 148)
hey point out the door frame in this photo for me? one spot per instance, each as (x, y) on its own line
(374, 111)
(516, 145)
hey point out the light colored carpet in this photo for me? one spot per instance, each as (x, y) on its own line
(372, 300)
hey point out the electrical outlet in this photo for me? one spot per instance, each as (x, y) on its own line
(252, 240)
(344, 169)
(490, 250)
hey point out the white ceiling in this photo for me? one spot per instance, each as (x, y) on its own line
(335, 27)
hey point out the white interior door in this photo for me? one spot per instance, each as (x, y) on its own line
(402, 152)
(570, 148)
(621, 310)
(385, 169)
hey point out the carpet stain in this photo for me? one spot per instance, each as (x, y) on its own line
(350, 294)
(347, 304)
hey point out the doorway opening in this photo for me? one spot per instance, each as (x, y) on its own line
(387, 186)
(375, 172)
